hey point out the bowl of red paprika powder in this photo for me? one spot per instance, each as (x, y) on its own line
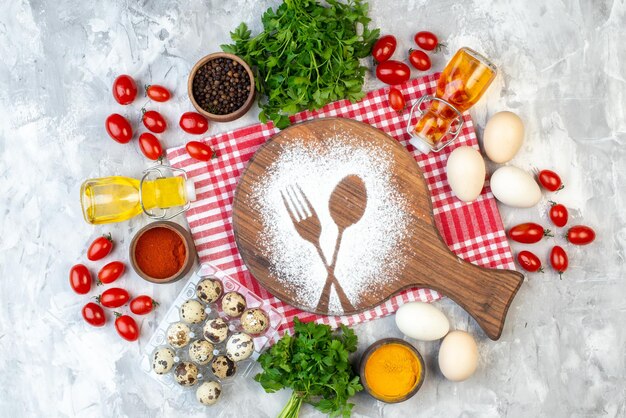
(162, 252)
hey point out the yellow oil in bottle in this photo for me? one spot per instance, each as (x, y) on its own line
(116, 198)
(465, 79)
(461, 84)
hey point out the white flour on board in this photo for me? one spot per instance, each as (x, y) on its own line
(368, 255)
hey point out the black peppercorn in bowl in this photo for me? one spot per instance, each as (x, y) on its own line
(221, 87)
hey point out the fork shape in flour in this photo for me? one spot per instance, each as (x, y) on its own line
(308, 226)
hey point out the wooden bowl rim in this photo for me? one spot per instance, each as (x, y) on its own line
(375, 346)
(236, 114)
(190, 251)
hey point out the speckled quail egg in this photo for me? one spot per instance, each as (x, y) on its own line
(215, 330)
(233, 304)
(192, 312)
(223, 367)
(186, 373)
(209, 290)
(163, 360)
(201, 351)
(178, 335)
(239, 346)
(209, 393)
(254, 321)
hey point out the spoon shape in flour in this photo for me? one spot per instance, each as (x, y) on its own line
(346, 205)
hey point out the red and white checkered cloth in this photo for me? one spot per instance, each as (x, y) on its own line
(473, 231)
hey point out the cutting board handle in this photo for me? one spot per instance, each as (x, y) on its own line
(485, 294)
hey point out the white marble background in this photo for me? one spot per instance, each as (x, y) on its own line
(563, 71)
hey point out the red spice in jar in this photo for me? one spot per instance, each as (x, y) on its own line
(160, 252)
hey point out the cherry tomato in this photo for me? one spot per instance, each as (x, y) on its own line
(113, 297)
(558, 260)
(529, 261)
(80, 279)
(118, 128)
(384, 48)
(126, 327)
(558, 214)
(154, 121)
(581, 235)
(150, 146)
(199, 150)
(396, 100)
(193, 123)
(393, 72)
(528, 233)
(93, 314)
(157, 93)
(142, 305)
(124, 89)
(111, 272)
(550, 180)
(100, 248)
(426, 40)
(419, 60)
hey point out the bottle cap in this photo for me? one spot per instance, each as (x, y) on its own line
(190, 190)
(420, 144)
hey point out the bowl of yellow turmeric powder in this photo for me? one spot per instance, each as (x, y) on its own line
(392, 370)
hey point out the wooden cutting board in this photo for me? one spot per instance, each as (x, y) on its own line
(485, 294)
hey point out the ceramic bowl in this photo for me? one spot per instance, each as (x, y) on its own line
(190, 251)
(366, 355)
(229, 116)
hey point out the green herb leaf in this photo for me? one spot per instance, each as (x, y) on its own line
(307, 55)
(314, 364)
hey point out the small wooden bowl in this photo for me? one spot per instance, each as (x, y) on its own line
(229, 116)
(366, 355)
(190, 251)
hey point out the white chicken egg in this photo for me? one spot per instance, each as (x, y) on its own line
(422, 321)
(503, 136)
(458, 356)
(466, 173)
(515, 187)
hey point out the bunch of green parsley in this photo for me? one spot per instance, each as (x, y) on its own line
(314, 364)
(307, 55)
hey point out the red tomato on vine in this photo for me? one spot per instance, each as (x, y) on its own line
(419, 60)
(384, 48)
(100, 248)
(581, 235)
(142, 305)
(529, 262)
(558, 214)
(126, 327)
(157, 93)
(396, 100)
(427, 41)
(559, 260)
(124, 89)
(154, 121)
